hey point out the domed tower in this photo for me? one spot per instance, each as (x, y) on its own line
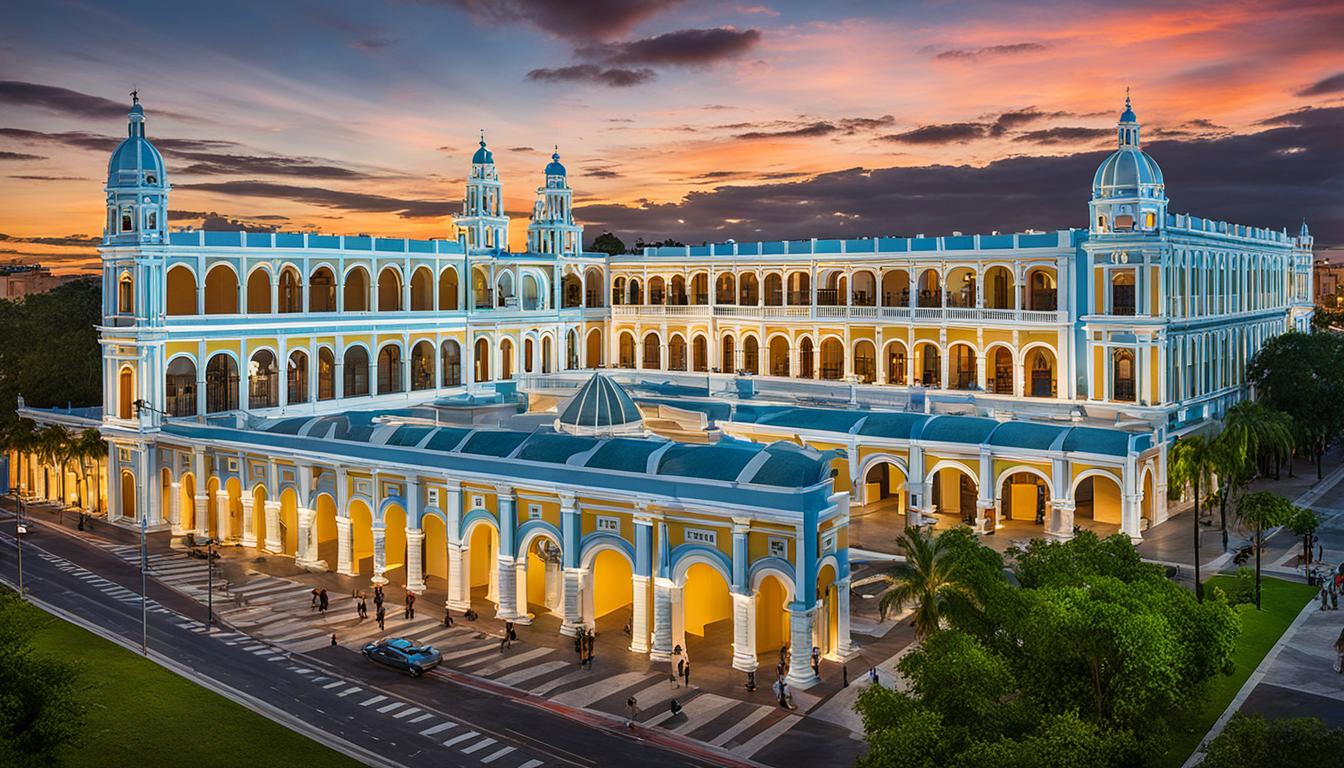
(1128, 193)
(137, 190)
(553, 229)
(483, 222)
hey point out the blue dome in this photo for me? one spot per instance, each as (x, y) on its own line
(1127, 172)
(483, 156)
(600, 407)
(135, 162)
(554, 168)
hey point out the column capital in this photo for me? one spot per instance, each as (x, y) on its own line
(504, 491)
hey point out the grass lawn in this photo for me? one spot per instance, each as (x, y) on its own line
(141, 714)
(1260, 630)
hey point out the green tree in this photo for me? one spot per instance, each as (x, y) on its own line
(1303, 523)
(1303, 376)
(49, 350)
(39, 711)
(1190, 461)
(89, 449)
(20, 437)
(1251, 741)
(607, 243)
(928, 579)
(1259, 512)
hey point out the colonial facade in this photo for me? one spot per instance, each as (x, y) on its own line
(427, 410)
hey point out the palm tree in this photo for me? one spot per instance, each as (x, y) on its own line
(929, 579)
(1191, 461)
(1260, 511)
(21, 438)
(91, 449)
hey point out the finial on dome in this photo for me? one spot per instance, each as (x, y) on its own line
(556, 154)
(135, 97)
(482, 137)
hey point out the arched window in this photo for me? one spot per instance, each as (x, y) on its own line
(448, 289)
(126, 394)
(625, 351)
(751, 355)
(296, 378)
(896, 363)
(221, 384)
(263, 380)
(700, 353)
(180, 387)
(422, 366)
(506, 354)
(221, 291)
(653, 351)
(1122, 292)
(125, 294)
(482, 360)
(450, 363)
(929, 366)
(807, 367)
(728, 355)
(592, 287)
(676, 353)
(290, 291)
(595, 354)
(356, 372)
(357, 290)
(422, 291)
(1001, 362)
(546, 354)
(865, 364)
(774, 291)
(832, 359)
(389, 290)
(128, 220)
(963, 367)
(322, 291)
(1122, 376)
(326, 374)
(389, 369)
(259, 292)
(180, 296)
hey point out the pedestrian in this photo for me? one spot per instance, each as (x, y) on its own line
(816, 661)
(872, 676)
(322, 602)
(1320, 552)
(377, 595)
(686, 674)
(315, 594)
(382, 618)
(333, 639)
(1325, 596)
(784, 655)
(447, 617)
(507, 640)
(410, 604)
(362, 607)
(1334, 597)
(632, 711)
(592, 647)
(578, 645)
(785, 697)
(681, 664)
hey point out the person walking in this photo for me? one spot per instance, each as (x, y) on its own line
(322, 602)
(816, 661)
(1325, 596)
(362, 607)
(1334, 596)
(447, 617)
(382, 617)
(410, 604)
(506, 641)
(681, 664)
(632, 711)
(316, 592)
(686, 674)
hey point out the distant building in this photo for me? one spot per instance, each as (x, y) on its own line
(1328, 279)
(18, 280)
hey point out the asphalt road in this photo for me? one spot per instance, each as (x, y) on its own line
(384, 717)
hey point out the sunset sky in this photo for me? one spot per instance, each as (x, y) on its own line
(691, 120)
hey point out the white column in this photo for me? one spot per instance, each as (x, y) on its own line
(273, 541)
(1061, 519)
(520, 585)
(222, 532)
(174, 507)
(344, 548)
(379, 553)
(459, 581)
(639, 624)
(800, 646)
(1130, 512)
(662, 619)
(574, 579)
(845, 648)
(249, 536)
(744, 632)
(202, 512)
(508, 590)
(307, 553)
(415, 544)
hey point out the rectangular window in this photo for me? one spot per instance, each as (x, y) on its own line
(779, 547)
(432, 497)
(127, 224)
(609, 525)
(533, 511)
(828, 543)
(701, 536)
(233, 465)
(477, 501)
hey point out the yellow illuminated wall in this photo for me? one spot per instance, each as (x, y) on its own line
(611, 583)
(704, 599)
(772, 619)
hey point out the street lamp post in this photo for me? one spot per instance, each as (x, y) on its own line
(210, 583)
(19, 530)
(144, 589)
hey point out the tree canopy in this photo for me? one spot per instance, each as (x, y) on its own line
(1251, 741)
(607, 243)
(39, 712)
(49, 349)
(1075, 657)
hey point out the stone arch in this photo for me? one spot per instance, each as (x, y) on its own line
(422, 289)
(389, 289)
(832, 358)
(448, 289)
(897, 361)
(928, 364)
(506, 355)
(179, 389)
(953, 489)
(322, 289)
(751, 354)
(422, 365)
(263, 379)
(1100, 502)
(651, 351)
(592, 287)
(700, 353)
(676, 353)
(778, 355)
(450, 363)
(625, 350)
(482, 537)
(998, 287)
(728, 354)
(878, 482)
(289, 290)
(593, 357)
(1040, 371)
(1012, 496)
(221, 383)
(1001, 367)
(481, 359)
(962, 366)
(807, 358)
(355, 289)
(772, 590)
(865, 361)
(128, 505)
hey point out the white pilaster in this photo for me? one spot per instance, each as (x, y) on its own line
(520, 586)
(201, 504)
(273, 541)
(800, 645)
(249, 536)
(507, 590)
(639, 623)
(415, 544)
(222, 532)
(344, 547)
(845, 647)
(459, 580)
(662, 619)
(379, 553)
(306, 554)
(175, 508)
(744, 632)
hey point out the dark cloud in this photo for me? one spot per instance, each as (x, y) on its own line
(1012, 49)
(62, 100)
(374, 43)
(331, 198)
(1332, 84)
(1065, 135)
(616, 77)
(944, 133)
(66, 240)
(1294, 166)
(28, 177)
(583, 20)
(795, 130)
(602, 173)
(684, 48)
(5, 155)
(521, 149)
(72, 139)
(211, 164)
(1020, 117)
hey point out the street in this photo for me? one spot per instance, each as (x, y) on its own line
(375, 715)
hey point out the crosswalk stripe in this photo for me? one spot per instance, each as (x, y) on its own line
(512, 660)
(482, 744)
(493, 756)
(390, 707)
(527, 673)
(430, 731)
(407, 712)
(530, 764)
(756, 715)
(463, 737)
(348, 691)
(422, 718)
(333, 685)
(757, 742)
(374, 700)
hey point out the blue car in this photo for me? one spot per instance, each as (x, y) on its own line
(403, 654)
